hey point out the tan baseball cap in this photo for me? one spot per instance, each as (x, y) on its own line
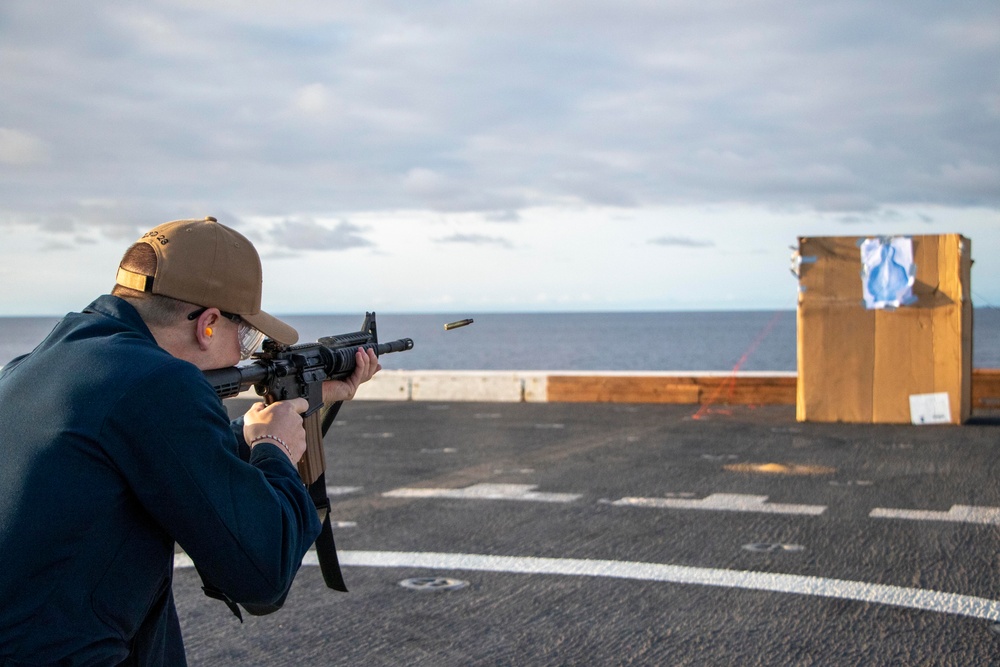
(208, 264)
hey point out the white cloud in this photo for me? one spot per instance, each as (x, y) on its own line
(310, 235)
(476, 239)
(314, 100)
(976, 179)
(681, 241)
(21, 148)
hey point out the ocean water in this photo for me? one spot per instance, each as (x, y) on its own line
(647, 341)
(585, 341)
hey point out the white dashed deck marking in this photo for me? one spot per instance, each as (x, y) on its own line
(487, 492)
(730, 502)
(341, 490)
(957, 513)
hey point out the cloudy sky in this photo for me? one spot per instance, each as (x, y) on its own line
(449, 156)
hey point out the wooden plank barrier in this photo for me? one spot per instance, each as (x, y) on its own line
(724, 389)
(986, 388)
(696, 388)
(721, 389)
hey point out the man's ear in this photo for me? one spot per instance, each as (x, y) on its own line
(205, 327)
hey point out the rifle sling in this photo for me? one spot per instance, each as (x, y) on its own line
(326, 549)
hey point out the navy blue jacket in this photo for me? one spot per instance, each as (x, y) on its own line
(112, 450)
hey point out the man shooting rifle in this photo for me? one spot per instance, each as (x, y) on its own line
(116, 447)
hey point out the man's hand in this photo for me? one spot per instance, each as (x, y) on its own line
(366, 366)
(283, 421)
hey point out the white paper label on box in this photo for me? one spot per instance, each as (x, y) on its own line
(930, 408)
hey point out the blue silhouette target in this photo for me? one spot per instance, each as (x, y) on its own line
(888, 272)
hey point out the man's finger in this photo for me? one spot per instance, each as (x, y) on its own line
(300, 405)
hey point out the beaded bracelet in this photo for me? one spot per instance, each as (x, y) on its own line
(270, 437)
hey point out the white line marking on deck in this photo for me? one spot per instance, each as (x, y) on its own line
(731, 502)
(341, 490)
(859, 591)
(487, 492)
(957, 513)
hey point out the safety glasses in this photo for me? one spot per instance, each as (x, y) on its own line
(249, 337)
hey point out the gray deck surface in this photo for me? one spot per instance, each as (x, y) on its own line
(636, 535)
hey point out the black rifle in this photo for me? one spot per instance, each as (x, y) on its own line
(283, 372)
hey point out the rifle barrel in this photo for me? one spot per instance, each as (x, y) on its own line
(401, 345)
